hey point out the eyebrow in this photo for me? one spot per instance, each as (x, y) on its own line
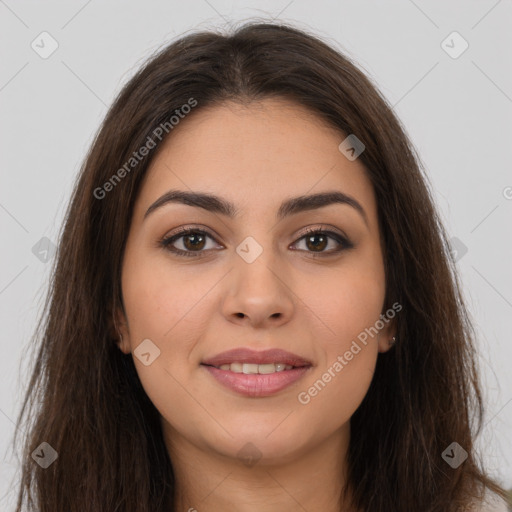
(294, 205)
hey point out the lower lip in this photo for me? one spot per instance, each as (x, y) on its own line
(257, 385)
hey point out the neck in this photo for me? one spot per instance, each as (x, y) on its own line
(312, 478)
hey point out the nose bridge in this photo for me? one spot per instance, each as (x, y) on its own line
(257, 285)
(257, 266)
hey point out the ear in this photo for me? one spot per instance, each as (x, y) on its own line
(384, 338)
(118, 329)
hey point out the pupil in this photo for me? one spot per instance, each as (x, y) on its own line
(194, 244)
(322, 244)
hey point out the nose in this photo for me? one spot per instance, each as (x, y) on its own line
(258, 293)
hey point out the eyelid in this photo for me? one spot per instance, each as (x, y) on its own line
(187, 229)
(322, 227)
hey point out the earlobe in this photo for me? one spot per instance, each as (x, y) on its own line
(123, 345)
(386, 343)
(118, 330)
(387, 337)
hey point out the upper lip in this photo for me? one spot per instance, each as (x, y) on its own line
(246, 355)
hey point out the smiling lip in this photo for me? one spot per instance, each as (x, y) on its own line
(245, 355)
(257, 385)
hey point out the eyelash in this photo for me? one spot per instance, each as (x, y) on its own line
(167, 242)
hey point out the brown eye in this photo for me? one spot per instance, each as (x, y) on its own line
(317, 240)
(193, 242)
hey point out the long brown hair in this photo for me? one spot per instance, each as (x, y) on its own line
(84, 397)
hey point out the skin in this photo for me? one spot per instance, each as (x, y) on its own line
(255, 156)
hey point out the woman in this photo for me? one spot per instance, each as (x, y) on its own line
(254, 304)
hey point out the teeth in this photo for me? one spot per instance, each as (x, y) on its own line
(249, 368)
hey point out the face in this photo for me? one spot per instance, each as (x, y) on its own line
(255, 280)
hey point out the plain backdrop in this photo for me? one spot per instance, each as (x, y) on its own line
(456, 106)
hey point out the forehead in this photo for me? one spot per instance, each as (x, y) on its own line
(255, 156)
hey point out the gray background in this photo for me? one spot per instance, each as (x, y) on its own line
(457, 112)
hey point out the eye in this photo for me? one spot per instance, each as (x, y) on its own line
(193, 242)
(317, 239)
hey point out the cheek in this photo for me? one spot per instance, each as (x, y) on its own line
(165, 307)
(346, 302)
(160, 301)
(338, 389)
(348, 305)
(348, 354)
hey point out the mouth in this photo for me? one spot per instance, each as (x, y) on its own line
(256, 369)
(245, 360)
(257, 374)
